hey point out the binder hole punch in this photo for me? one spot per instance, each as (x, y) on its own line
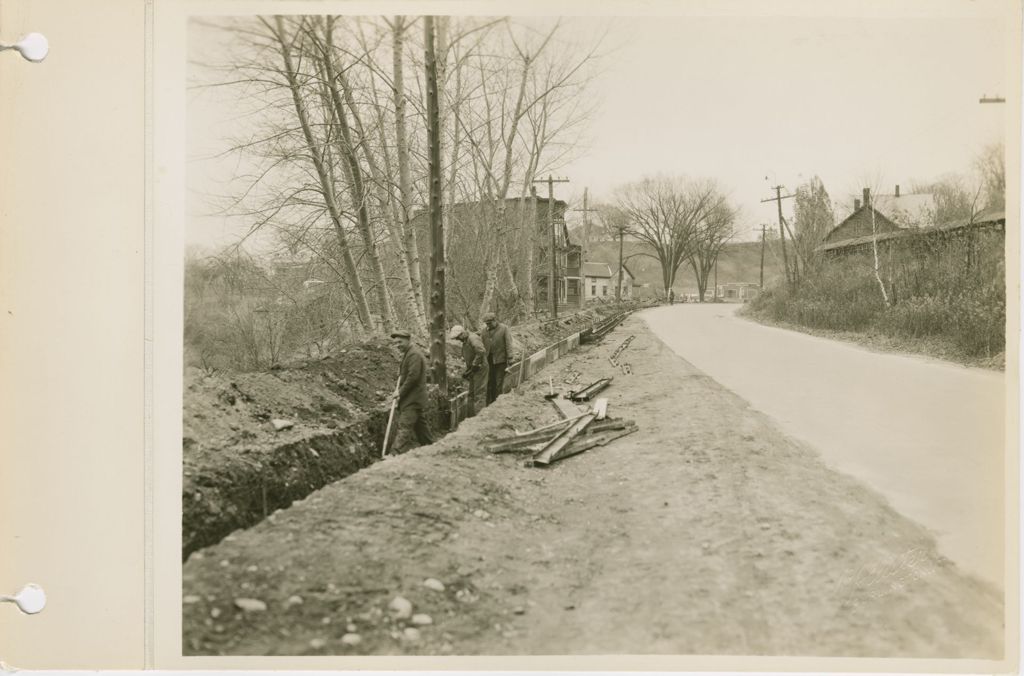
(30, 600)
(34, 47)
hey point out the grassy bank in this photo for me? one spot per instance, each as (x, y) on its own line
(948, 303)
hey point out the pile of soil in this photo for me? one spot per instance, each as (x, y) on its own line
(706, 532)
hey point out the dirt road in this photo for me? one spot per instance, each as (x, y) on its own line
(706, 532)
(926, 434)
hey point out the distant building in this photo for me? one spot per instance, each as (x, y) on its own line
(511, 211)
(864, 221)
(599, 281)
(738, 292)
(906, 210)
(627, 282)
(857, 234)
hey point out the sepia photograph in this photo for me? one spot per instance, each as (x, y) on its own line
(600, 333)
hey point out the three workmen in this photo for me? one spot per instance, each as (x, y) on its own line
(486, 358)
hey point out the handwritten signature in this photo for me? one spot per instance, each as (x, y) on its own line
(880, 579)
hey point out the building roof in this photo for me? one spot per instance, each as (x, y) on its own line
(981, 220)
(907, 209)
(886, 223)
(593, 269)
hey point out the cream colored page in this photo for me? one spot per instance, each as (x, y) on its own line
(72, 296)
(71, 345)
(170, 35)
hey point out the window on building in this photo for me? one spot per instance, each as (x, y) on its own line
(604, 289)
(593, 289)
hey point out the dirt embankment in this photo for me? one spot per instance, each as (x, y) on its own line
(705, 532)
(239, 467)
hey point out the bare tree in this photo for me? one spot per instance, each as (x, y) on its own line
(813, 218)
(335, 137)
(710, 234)
(991, 167)
(317, 156)
(666, 214)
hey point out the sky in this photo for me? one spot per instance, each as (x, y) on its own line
(749, 101)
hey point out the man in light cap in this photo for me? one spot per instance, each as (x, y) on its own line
(498, 343)
(475, 357)
(412, 396)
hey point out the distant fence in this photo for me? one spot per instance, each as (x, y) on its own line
(522, 370)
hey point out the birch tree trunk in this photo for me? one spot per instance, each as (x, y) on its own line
(357, 187)
(490, 283)
(877, 266)
(530, 223)
(404, 172)
(326, 185)
(389, 210)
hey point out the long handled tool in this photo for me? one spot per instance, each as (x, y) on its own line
(391, 417)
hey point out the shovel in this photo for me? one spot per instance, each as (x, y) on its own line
(551, 391)
(391, 417)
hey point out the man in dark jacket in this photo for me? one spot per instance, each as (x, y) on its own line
(412, 428)
(475, 357)
(498, 342)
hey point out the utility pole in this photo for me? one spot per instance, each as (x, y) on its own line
(782, 233)
(714, 298)
(552, 279)
(437, 258)
(618, 275)
(586, 241)
(764, 227)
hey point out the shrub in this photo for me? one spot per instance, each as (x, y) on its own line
(951, 289)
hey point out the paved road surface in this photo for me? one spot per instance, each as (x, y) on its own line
(928, 435)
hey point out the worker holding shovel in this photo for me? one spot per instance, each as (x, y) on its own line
(411, 398)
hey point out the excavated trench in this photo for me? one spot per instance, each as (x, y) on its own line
(238, 478)
(243, 493)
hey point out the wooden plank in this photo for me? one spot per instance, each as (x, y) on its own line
(558, 423)
(557, 444)
(590, 390)
(566, 408)
(581, 444)
(535, 437)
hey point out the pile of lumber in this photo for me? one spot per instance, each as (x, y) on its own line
(565, 438)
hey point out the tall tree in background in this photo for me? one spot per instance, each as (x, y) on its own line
(813, 218)
(710, 234)
(954, 198)
(991, 167)
(667, 214)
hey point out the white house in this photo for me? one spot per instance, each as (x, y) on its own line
(627, 282)
(599, 281)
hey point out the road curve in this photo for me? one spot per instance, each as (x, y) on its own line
(926, 434)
